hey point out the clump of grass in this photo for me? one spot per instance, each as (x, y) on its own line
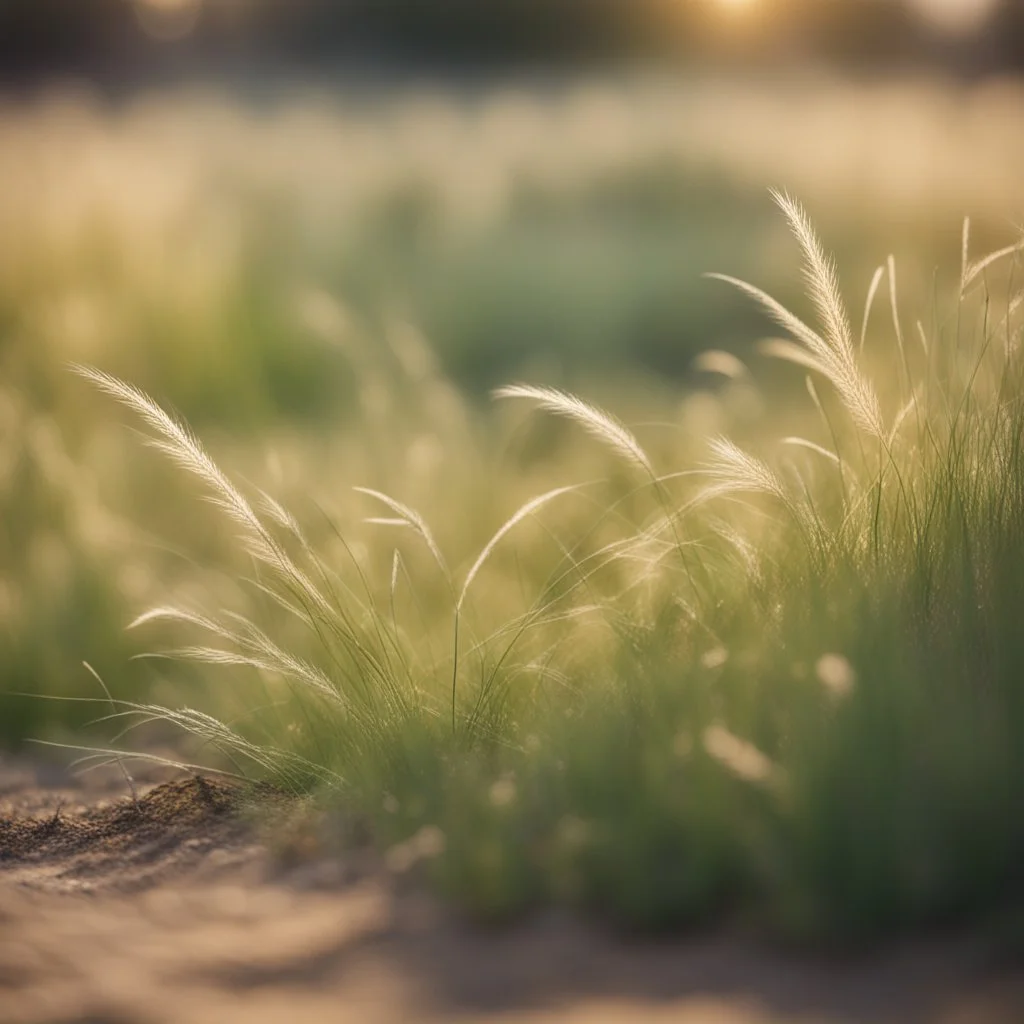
(813, 717)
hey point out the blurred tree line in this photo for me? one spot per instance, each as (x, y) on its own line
(110, 37)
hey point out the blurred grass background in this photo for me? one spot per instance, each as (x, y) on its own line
(275, 269)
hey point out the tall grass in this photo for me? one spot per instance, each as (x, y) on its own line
(194, 248)
(783, 683)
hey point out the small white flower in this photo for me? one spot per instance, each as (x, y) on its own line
(836, 674)
(503, 792)
(743, 759)
(715, 658)
(429, 842)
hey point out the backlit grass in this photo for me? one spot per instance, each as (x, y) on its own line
(776, 678)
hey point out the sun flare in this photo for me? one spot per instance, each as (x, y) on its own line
(956, 17)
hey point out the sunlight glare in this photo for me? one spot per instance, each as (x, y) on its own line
(956, 17)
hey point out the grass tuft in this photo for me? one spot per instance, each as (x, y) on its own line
(813, 717)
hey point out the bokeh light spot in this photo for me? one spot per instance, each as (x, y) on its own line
(955, 17)
(168, 20)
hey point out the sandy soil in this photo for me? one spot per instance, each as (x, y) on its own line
(168, 909)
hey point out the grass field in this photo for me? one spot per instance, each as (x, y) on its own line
(744, 645)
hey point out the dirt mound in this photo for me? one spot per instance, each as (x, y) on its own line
(127, 844)
(166, 909)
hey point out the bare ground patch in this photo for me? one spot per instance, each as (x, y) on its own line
(170, 910)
